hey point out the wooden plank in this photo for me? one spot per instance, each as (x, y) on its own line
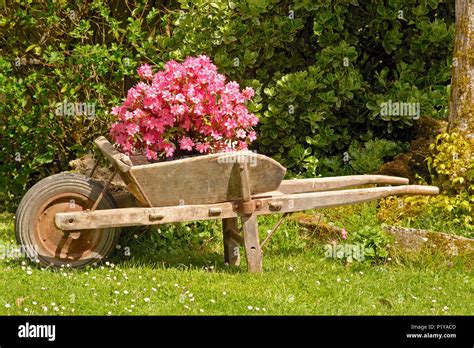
(253, 252)
(337, 182)
(206, 179)
(279, 204)
(245, 192)
(236, 236)
(273, 230)
(135, 188)
(230, 229)
(125, 217)
(328, 199)
(121, 161)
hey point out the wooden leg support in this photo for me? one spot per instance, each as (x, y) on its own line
(231, 246)
(252, 244)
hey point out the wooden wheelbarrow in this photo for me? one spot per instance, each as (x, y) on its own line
(71, 219)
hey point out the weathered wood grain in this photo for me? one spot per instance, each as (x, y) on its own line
(279, 204)
(245, 191)
(253, 252)
(337, 182)
(232, 241)
(206, 179)
(121, 161)
(328, 199)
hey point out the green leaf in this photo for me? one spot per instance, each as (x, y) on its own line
(30, 47)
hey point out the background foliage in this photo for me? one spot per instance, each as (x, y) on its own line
(451, 165)
(320, 68)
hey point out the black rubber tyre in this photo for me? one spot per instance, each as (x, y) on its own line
(42, 241)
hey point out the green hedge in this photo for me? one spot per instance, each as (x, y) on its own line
(322, 70)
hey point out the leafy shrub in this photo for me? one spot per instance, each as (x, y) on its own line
(368, 243)
(204, 235)
(362, 237)
(320, 71)
(451, 166)
(172, 237)
(375, 242)
(368, 157)
(302, 119)
(452, 169)
(360, 63)
(452, 163)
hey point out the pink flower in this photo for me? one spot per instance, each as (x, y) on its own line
(166, 95)
(186, 124)
(180, 98)
(240, 133)
(186, 143)
(145, 72)
(216, 134)
(118, 110)
(169, 150)
(150, 154)
(150, 138)
(132, 129)
(198, 110)
(252, 136)
(123, 138)
(127, 115)
(242, 145)
(189, 102)
(178, 109)
(203, 148)
(343, 233)
(248, 93)
(230, 123)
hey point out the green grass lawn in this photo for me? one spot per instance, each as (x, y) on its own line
(192, 279)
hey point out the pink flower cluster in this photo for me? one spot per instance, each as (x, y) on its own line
(184, 108)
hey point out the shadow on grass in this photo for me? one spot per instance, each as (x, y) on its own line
(138, 249)
(180, 260)
(185, 254)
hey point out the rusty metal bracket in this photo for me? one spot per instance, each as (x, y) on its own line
(96, 203)
(247, 208)
(96, 164)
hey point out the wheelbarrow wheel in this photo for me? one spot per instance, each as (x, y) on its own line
(39, 238)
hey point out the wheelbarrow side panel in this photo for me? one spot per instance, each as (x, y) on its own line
(206, 179)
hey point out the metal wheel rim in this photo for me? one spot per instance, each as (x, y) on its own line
(68, 246)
